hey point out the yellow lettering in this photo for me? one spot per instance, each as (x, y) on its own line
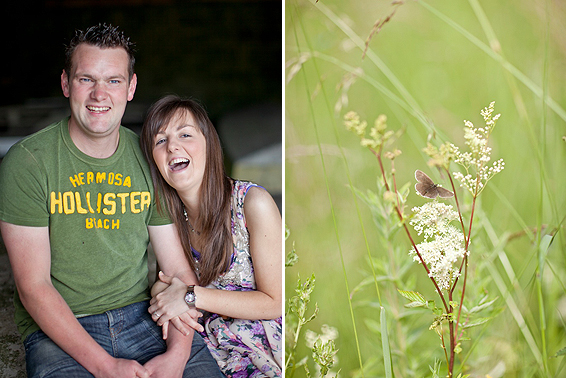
(145, 200)
(68, 203)
(123, 197)
(89, 177)
(89, 223)
(128, 182)
(118, 179)
(75, 180)
(134, 202)
(111, 178)
(88, 203)
(100, 177)
(80, 209)
(98, 203)
(107, 224)
(56, 202)
(108, 201)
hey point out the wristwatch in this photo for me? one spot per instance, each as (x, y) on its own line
(190, 297)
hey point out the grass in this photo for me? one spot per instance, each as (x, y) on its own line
(432, 65)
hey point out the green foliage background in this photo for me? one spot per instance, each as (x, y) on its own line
(433, 65)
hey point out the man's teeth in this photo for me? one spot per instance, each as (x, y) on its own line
(98, 108)
(178, 160)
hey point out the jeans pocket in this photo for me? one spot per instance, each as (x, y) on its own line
(33, 338)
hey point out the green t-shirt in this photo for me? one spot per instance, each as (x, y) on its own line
(97, 211)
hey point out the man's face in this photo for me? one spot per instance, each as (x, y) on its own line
(98, 90)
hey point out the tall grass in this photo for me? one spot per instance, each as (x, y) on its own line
(429, 67)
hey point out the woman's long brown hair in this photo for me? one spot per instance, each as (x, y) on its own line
(213, 221)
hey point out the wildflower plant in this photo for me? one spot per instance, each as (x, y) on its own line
(296, 318)
(446, 238)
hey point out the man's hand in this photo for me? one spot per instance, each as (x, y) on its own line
(162, 366)
(120, 368)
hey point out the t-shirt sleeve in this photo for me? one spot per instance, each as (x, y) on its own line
(159, 217)
(23, 197)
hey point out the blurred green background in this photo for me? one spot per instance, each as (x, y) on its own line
(433, 65)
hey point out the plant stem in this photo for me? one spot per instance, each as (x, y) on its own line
(402, 220)
(457, 202)
(452, 338)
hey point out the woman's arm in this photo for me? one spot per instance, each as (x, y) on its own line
(265, 228)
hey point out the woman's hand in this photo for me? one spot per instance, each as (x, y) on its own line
(169, 306)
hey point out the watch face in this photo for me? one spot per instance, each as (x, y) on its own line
(190, 298)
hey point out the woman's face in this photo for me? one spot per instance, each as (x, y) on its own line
(179, 151)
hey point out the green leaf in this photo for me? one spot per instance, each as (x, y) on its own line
(561, 352)
(416, 298)
(415, 304)
(481, 306)
(476, 322)
(545, 242)
(292, 257)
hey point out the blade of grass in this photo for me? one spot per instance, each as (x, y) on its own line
(325, 175)
(541, 154)
(385, 344)
(507, 296)
(542, 248)
(542, 93)
(360, 43)
(504, 63)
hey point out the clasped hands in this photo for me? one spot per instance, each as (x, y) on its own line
(169, 306)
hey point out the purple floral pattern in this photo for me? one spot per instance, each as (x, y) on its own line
(242, 348)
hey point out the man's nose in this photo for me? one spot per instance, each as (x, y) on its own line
(99, 92)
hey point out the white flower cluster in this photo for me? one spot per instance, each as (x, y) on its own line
(328, 333)
(443, 244)
(479, 156)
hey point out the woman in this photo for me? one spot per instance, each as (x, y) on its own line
(221, 235)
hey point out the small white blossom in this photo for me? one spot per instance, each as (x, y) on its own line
(443, 244)
(475, 161)
(328, 333)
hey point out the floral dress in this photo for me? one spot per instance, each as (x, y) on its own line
(242, 348)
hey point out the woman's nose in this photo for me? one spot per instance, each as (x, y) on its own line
(172, 145)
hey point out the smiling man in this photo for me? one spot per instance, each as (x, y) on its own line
(98, 86)
(77, 212)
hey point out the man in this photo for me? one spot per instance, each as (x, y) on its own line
(76, 215)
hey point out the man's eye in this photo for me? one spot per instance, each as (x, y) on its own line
(114, 81)
(84, 80)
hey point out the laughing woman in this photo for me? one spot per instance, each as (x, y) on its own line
(231, 232)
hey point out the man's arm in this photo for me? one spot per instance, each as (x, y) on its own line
(172, 261)
(30, 256)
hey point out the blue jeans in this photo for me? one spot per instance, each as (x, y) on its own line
(127, 332)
